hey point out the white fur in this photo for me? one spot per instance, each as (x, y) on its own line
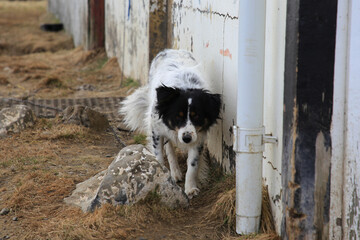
(172, 68)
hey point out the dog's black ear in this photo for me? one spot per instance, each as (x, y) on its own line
(166, 94)
(213, 103)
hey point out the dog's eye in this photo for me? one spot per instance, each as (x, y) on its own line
(194, 115)
(181, 114)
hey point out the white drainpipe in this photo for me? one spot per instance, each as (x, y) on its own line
(249, 137)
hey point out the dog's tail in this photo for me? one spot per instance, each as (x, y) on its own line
(134, 108)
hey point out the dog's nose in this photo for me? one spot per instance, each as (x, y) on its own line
(186, 138)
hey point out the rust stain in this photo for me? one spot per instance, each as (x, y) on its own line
(294, 137)
(226, 53)
(293, 218)
(293, 186)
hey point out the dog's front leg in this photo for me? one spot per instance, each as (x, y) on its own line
(173, 163)
(191, 188)
(157, 144)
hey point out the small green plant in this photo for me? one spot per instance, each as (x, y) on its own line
(100, 63)
(129, 82)
(26, 160)
(140, 139)
(54, 82)
(5, 164)
(153, 197)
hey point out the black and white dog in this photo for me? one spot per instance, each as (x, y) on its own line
(174, 108)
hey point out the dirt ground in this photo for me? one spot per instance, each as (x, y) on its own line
(40, 166)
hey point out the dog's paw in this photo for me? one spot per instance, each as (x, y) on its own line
(177, 175)
(192, 192)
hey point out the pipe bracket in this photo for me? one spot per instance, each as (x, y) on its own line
(251, 140)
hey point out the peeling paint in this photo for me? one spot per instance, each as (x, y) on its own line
(277, 198)
(207, 11)
(353, 213)
(226, 53)
(228, 153)
(272, 166)
(127, 36)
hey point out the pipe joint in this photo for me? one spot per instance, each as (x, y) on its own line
(251, 140)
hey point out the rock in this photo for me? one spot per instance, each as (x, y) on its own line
(15, 119)
(85, 87)
(133, 174)
(4, 211)
(82, 115)
(84, 194)
(15, 219)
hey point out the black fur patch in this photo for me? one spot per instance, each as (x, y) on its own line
(155, 139)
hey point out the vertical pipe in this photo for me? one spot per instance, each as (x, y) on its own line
(250, 100)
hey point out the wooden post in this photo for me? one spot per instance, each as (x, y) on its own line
(96, 25)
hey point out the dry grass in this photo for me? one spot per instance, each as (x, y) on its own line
(223, 212)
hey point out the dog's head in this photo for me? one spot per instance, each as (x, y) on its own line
(187, 111)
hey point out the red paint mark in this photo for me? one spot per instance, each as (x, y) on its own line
(207, 45)
(226, 53)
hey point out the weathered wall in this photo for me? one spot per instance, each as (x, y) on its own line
(127, 36)
(273, 102)
(345, 162)
(308, 95)
(74, 16)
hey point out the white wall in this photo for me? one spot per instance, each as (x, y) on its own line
(74, 16)
(127, 36)
(345, 162)
(274, 102)
(210, 30)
